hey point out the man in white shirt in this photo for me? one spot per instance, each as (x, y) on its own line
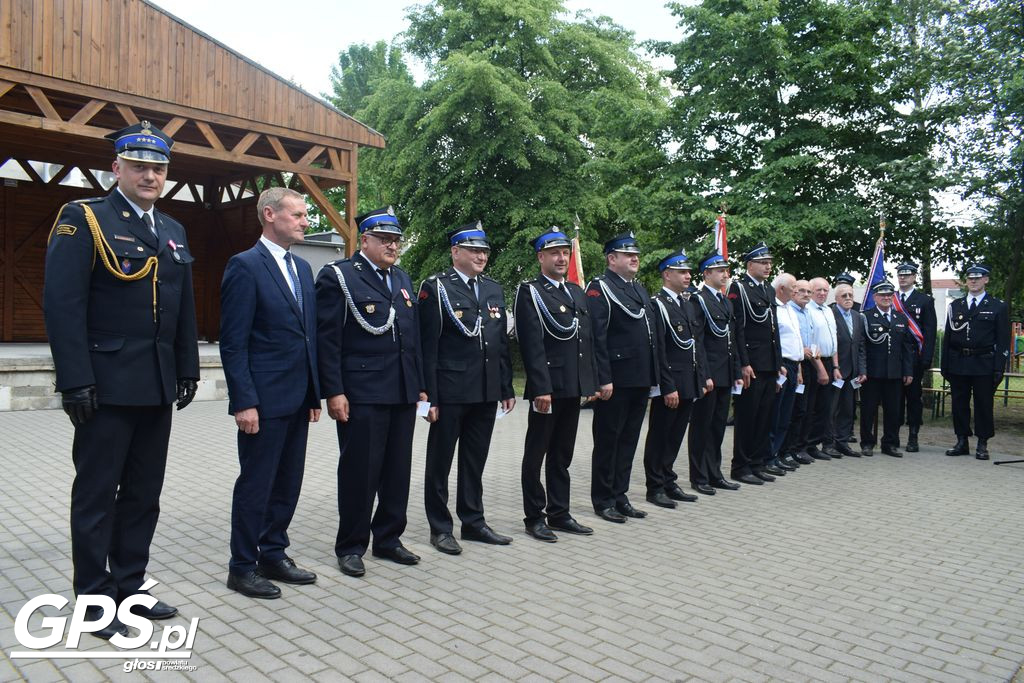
(819, 416)
(792, 354)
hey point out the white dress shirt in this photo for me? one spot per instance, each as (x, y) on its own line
(138, 210)
(789, 333)
(278, 253)
(824, 329)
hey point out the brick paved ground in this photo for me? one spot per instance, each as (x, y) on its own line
(859, 569)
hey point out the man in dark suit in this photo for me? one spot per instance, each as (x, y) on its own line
(919, 307)
(714, 315)
(975, 351)
(852, 364)
(846, 279)
(371, 374)
(124, 346)
(554, 331)
(889, 367)
(683, 379)
(268, 350)
(757, 341)
(627, 368)
(468, 370)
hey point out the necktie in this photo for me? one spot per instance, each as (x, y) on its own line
(564, 290)
(974, 304)
(149, 223)
(472, 285)
(384, 277)
(903, 298)
(293, 276)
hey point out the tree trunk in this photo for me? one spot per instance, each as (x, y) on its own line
(1015, 221)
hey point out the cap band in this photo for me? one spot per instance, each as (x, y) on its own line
(467, 235)
(379, 219)
(549, 237)
(674, 261)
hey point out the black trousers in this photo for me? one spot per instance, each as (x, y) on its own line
(119, 456)
(887, 393)
(755, 408)
(470, 425)
(707, 429)
(616, 429)
(982, 388)
(666, 428)
(266, 492)
(912, 403)
(843, 412)
(803, 411)
(784, 407)
(820, 422)
(375, 462)
(550, 440)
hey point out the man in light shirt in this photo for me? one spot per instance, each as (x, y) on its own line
(819, 417)
(811, 374)
(792, 354)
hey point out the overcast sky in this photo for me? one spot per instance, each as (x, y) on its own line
(300, 41)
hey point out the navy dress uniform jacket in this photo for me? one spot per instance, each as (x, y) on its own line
(563, 368)
(921, 308)
(758, 341)
(720, 353)
(267, 345)
(682, 370)
(375, 369)
(976, 343)
(627, 354)
(890, 345)
(457, 368)
(109, 332)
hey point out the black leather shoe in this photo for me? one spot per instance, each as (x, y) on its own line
(803, 459)
(611, 515)
(706, 489)
(351, 565)
(892, 450)
(962, 447)
(108, 631)
(725, 484)
(912, 445)
(285, 571)
(484, 534)
(772, 471)
(816, 454)
(541, 532)
(661, 499)
(851, 439)
(981, 453)
(788, 459)
(867, 451)
(161, 610)
(763, 476)
(675, 493)
(779, 465)
(398, 554)
(446, 543)
(569, 526)
(252, 584)
(841, 447)
(628, 510)
(749, 479)
(831, 452)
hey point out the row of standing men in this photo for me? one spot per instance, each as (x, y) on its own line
(121, 322)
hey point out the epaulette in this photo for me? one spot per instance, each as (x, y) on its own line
(87, 200)
(339, 262)
(489, 279)
(432, 277)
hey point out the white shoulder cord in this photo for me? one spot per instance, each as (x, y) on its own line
(548, 321)
(622, 307)
(719, 332)
(749, 307)
(442, 295)
(376, 331)
(685, 345)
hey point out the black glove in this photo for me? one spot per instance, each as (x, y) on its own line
(186, 392)
(80, 404)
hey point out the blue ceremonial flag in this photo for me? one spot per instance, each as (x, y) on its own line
(876, 274)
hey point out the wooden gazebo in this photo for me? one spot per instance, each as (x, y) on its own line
(72, 71)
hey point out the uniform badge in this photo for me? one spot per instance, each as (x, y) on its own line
(126, 266)
(124, 238)
(177, 257)
(458, 315)
(125, 214)
(562, 308)
(679, 328)
(495, 310)
(370, 308)
(65, 229)
(423, 294)
(408, 301)
(140, 248)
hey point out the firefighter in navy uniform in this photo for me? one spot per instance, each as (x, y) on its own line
(121, 322)
(760, 352)
(468, 370)
(707, 421)
(554, 331)
(371, 375)
(890, 366)
(627, 368)
(921, 308)
(975, 351)
(682, 380)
